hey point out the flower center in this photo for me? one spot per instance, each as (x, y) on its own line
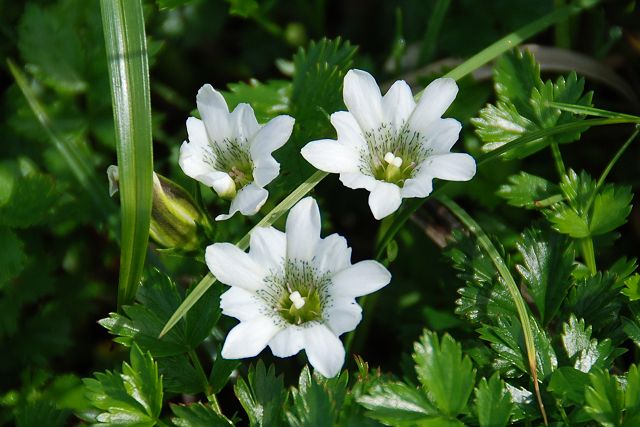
(299, 295)
(232, 156)
(392, 155)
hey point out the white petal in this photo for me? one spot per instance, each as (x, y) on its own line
(287, 342)
(450, 166)
(244, 123)
(193, 165)
(324, 350)
(348, 129)
(332, 254)
(421, 185)
(265, 170)
(363, 99)
(435, 100)
(214, 112)
(343, 315)
(303, 230)
(441, 135)
(241, 304)
(331, 156)
(197, 132)
(385, 199)
(357, 180)
(248, 201)
(248, 339)
(234, 267)
(360, 279)
(271, 136)
(398, 104)
(268, 248)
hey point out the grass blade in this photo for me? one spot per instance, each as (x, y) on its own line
(591, 111)
(125, 40)
(79, 164)
(501, 266)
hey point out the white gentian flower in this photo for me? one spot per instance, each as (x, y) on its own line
(390, 145)
(231, 152)
(293, 290)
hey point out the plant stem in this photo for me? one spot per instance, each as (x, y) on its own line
(562, 33)
(557, 160)
(206, 387)
(586, 247)
(433, 30)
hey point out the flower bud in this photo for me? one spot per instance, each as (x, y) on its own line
(174, 215)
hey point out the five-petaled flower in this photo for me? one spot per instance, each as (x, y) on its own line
(391, 145)
(231, 152)
(293, 290)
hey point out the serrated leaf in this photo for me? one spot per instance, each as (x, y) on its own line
(569, 384)
(632, 326)
(51, 47)
(26, 196)
(611, 207)
(447, 377)
(179, 375)
(197, 415)
(632, 287)
(526, 191)
(604, 399)
(493, 402)
(565, 220)
(548, 262)
(12, 256)
(262, 396)
(158, 299)
(40, 413)
(220, 372)
(394, 403)
(268, 100)
(585, 352)
(595, 298)
(133, 397)
(522, 105)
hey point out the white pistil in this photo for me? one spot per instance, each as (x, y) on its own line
(297, 299)
(391, 159)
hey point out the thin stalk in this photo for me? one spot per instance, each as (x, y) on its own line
(561, 30)
(591, 111)
(434, 25)
(503, 270)
(211, 397)
(126, 47)
(557, 160)
(588, 254)
(614, 160)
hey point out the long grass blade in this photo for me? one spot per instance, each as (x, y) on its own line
(125, 40)
(78, 162)
(503, 270)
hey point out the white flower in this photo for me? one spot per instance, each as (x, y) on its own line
(231, 152)
(293, 290)
(390, 145)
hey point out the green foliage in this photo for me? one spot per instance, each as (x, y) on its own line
(522, 105)
(445, 374)
(548, 261)
(133, 397)
(262, 396)
(632, 287)
(528, 191)
(398, 404)
(493, 403)
(198, 415)
(584, 352)
(268, 100)
(569, 384)
(12, 256)
(41, 413)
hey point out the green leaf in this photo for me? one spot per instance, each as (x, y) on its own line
(604, 399)
(529, 191)
(12, 256)
(40, 413)
(157, 300)
(243, 8)
(398, 404)
(220, 373)
(548, 262)
(493, 402)
(522, 105)
(632, 287)
(632, 392)
(268, 100)
(125, 39)
(565, 220)
(595, 298)
(26, 196)
(632, 326)
(611, 207)
(198, 415)
(133, 397)
(569, 384)
(51, 47)
(447, 377)
(263, 397)
(179, 375)
(586, 353)
(316, 402)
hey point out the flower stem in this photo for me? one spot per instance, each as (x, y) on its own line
(557, 160)
(206, 387)
(586, 247)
